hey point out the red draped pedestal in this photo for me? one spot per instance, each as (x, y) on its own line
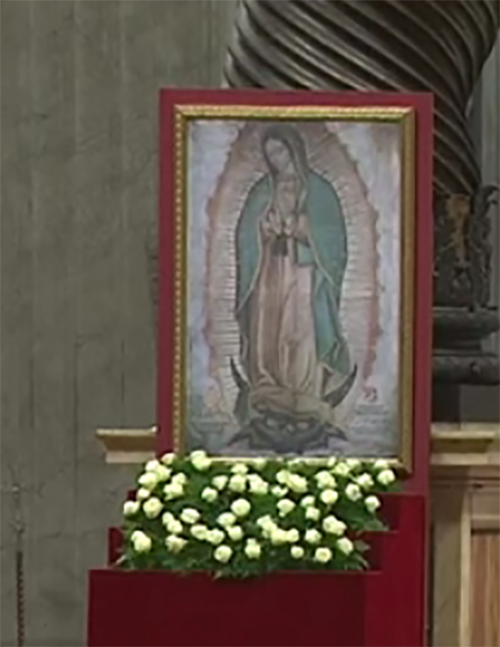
(382, 607)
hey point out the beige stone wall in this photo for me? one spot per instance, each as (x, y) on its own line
(79, 86)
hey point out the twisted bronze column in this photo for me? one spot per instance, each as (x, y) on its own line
(402, 46)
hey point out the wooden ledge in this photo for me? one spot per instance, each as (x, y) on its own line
(128, 445)
(465, 456)
(453, 446)
(465, 445)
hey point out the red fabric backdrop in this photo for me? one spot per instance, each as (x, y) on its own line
(380, 608)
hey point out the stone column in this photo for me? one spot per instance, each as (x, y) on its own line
(432, 46)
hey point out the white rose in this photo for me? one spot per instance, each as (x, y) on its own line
(199, 531)
(297, 552)
(331, 462)
(353, 492)
(235, 533)
(199, 460)
(313, 514)
(285, 506)
(173, 490)
(223, 554)
(148, 480)
(297, 483)
(257, 484)
(259, 487)
(241, 507)
(353, 463)
(345, 545)
(190, 515)
(365, 481)
(209, 494)
(168, 458)
(372, 503)
(141, 542)
(226, 519)
(266, 522)
(312, 536)
(283, 477)
(386, 477)
(239, 468)
(292, 535)
(215, 536)
(142, 493)
(202, 464)
(329, 497)
(163, 473)
(152, 507)
(166, 518)
(307, 502)
(152, 466)
(341, 469)
(237, 483)
(259, 463)
(381, 464)
(130, 508)
(278, 536)
(322, 555)
(180, 478)
(334, 526)
(197, 454)
(175, 544)
(325, 480)
(278, 491)
(272, 529)
(253, 550)
(174, 527)
(219, 482)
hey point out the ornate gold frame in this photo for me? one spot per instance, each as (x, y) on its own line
(405, 116)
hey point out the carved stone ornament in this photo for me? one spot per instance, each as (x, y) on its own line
(396, 45)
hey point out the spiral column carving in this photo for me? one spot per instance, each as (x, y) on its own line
(400, 46)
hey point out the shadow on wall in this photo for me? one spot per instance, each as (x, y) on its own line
(480, 403)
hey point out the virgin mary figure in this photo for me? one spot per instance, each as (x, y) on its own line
(291, 252)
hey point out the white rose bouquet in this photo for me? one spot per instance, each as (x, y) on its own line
(241, 519)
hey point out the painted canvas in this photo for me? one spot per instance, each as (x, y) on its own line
(294, 263)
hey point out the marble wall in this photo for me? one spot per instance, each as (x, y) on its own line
(79, 85)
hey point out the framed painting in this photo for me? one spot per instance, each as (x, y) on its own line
(295, 272)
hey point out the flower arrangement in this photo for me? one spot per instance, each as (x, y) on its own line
(247, 518)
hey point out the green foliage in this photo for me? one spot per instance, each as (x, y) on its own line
(243, 519)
